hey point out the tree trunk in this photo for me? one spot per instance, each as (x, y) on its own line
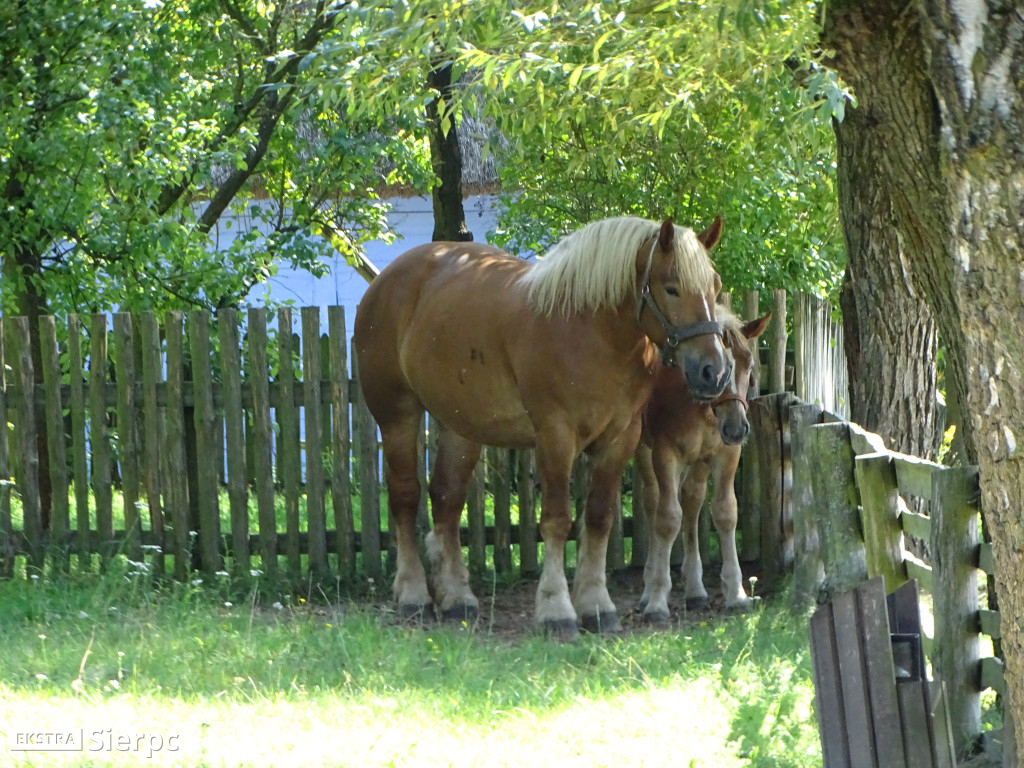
(446, 158)
(889, 333)
(951, 150)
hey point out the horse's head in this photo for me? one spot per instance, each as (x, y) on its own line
(731, 406)
(676, 306)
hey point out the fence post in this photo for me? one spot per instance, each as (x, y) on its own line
(19, 358)
(956, 654)
(262, 447)
(769, 421)
(238, 487)
(312, 375)
(204, 419)
(341, 488)
(883, 534)
(807, 570)
(835, 496)
(7, 547)
(527, 513)
(366, 450)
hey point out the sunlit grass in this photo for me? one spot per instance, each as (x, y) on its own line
(245, 681)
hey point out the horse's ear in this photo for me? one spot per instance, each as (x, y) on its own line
(710, 236)
(667, 235)
(755, 328)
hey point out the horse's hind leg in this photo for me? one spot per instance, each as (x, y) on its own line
(456, 458)
(723, 512)
(399, 439)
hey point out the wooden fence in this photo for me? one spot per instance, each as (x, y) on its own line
(197, 419)
(834, 498)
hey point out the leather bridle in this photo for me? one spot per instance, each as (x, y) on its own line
(674, 334)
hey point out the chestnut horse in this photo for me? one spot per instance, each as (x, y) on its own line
(559, 355)
(684, 441)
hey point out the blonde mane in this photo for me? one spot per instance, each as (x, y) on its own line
(595, 267)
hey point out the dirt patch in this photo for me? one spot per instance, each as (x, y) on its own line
(506, 612)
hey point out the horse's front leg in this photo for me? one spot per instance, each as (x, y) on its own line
(556, 450)
(593, 604)
(453, 467)
(723, 511)
(691, 497)
(662, 529)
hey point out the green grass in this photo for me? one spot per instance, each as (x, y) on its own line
(244, 683)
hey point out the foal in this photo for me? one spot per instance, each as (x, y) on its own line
(685, 441)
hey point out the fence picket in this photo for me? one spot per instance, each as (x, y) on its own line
(262, 447)
(176, 486)
(501, 487)
(53, 423)
(237, 482)
(288, 458)
(312, 373)
(99, 438)
(341, 488)
(528, 563)
(204, 420)
(366, 450)
(127, 431)
(152, 447)
(7, 543)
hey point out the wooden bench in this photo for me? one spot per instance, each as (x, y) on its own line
(876, 708)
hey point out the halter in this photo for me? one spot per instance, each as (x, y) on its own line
(674, 334)
(725, 397)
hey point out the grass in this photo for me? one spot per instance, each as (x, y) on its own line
(241, 682)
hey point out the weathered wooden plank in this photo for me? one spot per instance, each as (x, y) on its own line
(53, 419)
(476, 521)
(234, 438)
(852, 665)
(341, 487)
(883, 536)
(828, 694)
(262, 431)
(991, 674)
(500, 463)
(807, 569)
(528, 561)
(777, 372)
(176, 480)
(366, 452)
(99, 438)
(152, 373)
(864, 442)
(835, 493)
(23, 415)
(917, 569)
(941, 726)
(989, 622)
(616, 553)
(880, 673)
(914, 475)
(957, 651)
(79, 451)
(7, 545)
(206, 448)
(127, 432)
(288, 454)
(986, 561)
(916, 524)
(312, 373)
(915, 718)
(769, 420)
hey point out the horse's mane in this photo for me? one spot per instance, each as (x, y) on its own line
(595, 267)
(731, 327)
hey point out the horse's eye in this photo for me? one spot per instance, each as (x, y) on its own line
(671, 290)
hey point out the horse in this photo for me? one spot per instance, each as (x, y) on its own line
(557, 355)
(684, 441)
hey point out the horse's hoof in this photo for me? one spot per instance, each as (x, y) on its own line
(560, 630)
(696, 603)
(412, 613)
(602, 622)
(656, 618)
(460, 614)
(741, 606)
